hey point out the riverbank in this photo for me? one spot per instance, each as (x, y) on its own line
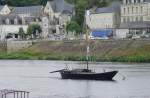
(101, 51)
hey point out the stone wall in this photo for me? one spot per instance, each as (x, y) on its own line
(14, 46)
(3, 46)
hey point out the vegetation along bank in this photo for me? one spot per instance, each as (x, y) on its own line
(106, 50)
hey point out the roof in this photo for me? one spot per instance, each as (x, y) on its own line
(68, 7)
(144, 1)
(13, 17)
(147, 0)
(1, 7)
(61, 6)
(4, 17)
(115, 7)
(133, 25)
(33, 10)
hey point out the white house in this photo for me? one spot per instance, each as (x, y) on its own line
(52, 18)
(4, 10)
(13, 18)
(104, 19)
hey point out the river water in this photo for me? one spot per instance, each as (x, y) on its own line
(133, 80)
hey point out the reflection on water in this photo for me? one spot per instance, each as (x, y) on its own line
(132, 81)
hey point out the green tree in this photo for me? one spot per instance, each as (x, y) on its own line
(21, 33)
(23, 2)
(73, 26)
(34, 30)
(102, 3)
(82, 5)
(80, 8)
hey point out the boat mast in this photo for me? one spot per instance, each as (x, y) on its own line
(87, 40)
(87, 50)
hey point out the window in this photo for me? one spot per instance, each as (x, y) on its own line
(132, 10)
(128, 19)
(53, 31)
(12, 21)
(128, 10)
(124, 19)
(136, 18)
(15, 21)
(141, 18)
(7, 21)
(134, 1)
(34, 19)
(26, 22)
(16, 35)
(141, 9)
(124, 10)
(132, 19)
(3, 22)
(136, 9)
(139, 1)
(19, 21)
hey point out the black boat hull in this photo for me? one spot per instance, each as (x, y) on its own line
(88, 76)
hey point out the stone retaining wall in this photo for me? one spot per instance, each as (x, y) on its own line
(3, 46)
(14, 46)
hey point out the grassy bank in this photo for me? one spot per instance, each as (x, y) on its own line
(69, 57)
(108, 51)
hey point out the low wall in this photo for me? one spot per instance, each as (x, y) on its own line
(14, 46)
(3, 46)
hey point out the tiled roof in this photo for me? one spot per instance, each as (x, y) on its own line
(147, 0)
(61, 6)
(13, 17)
(115, 7)
(3, 17)
(1, 7)
(32, 10)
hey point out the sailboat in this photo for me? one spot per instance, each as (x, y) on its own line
(86, 73)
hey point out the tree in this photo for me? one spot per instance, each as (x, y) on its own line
(22, 2)
(82, 5)
(103, 3)
(73, 26)
(80, 8)
(34, 30)
(21, 33)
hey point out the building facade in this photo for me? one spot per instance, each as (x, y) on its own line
(135, 19)
(52, 18)
(14, 18)
(58, 12)
(104, 19)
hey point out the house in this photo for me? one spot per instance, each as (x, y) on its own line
(52, 18)
(135, 19)
(58, 12)
(13, 18)
(104, 19)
